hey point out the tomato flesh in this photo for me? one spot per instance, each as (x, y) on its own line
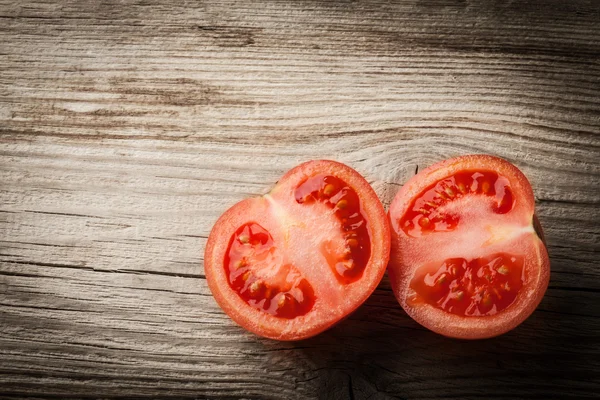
(466, 260)
(286, 294)
(344, 202)
(426, 213)
(291, 263)
(251, 257)
(477, 287)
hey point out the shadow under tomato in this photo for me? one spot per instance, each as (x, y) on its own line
(379, 351)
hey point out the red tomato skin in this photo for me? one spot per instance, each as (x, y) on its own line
(307, 326)
(400, 274)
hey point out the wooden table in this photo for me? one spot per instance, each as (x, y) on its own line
(127, 128)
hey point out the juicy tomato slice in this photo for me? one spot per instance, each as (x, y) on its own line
(466, 259)
(251, 249)
(424, 214)
(345, 203)
(292, 263)
(482, 286)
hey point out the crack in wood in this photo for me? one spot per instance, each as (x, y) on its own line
(115, 271)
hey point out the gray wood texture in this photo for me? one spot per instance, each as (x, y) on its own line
(128, 127)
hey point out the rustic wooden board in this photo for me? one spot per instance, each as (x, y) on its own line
(127, 128)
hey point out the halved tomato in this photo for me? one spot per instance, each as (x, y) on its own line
(292, 263)
(466, 259)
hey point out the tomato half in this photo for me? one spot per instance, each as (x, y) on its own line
(466, 259)
(292, 263)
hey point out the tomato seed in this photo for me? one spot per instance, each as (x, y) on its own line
(352, 242)
(342, 204)
(485, 187)
(328, 189)
(244, 239)
(441, 279)
(486, 300)
(503, 270)
(282, 300)
(497, 293)
(255, 287)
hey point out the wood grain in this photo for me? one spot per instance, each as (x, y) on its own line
(128, 127)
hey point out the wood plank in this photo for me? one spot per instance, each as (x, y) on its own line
(127, 128)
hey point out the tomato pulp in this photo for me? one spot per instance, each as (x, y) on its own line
(292, 263)
(466, 258)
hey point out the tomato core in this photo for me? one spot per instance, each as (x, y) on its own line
(477, 287)
(344, 202)
(427, 213)
(258, 275)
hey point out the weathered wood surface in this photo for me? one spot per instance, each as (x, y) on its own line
(128, 127)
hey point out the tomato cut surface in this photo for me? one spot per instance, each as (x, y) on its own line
(466, 260)
(482, 286)
(427, 211)
(251, 252)
(346, 205)
(292, 263)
